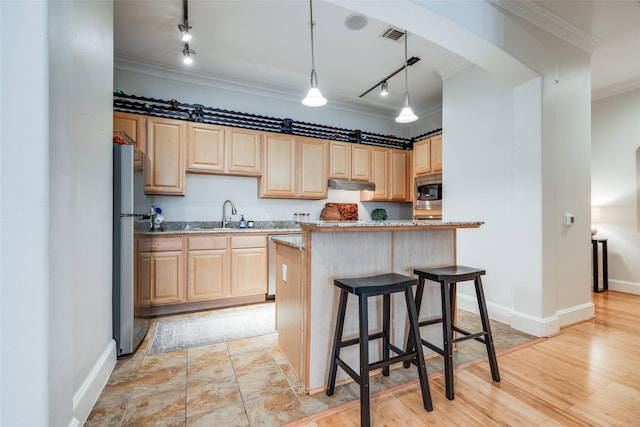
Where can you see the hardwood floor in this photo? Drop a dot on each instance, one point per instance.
(587, 375)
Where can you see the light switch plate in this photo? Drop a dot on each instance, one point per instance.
(284, 272)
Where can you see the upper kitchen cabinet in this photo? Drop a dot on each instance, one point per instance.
(134, 125)
(243, 151)
(223, 150)
(278, 178)
(427, 156)
(390, 173)
(166, 151)
(313, 172)
(294, 167)
(350, 161)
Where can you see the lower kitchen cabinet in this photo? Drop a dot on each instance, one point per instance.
(248, 265)
(186, 272)
(160, 271)
(208, 268)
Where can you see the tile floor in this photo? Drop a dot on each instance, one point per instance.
(238, 383)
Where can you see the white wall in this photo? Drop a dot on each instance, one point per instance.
(615, 182)
(24, 207)
(57, 346)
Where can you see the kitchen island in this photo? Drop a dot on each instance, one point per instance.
(330, 250)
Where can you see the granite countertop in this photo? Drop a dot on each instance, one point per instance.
(362, 225)
(207, 227)
(293, 240)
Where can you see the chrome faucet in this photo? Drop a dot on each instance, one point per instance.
(224, 208)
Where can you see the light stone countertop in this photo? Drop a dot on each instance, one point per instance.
(293, 240)
(371, 225)
(208, 227)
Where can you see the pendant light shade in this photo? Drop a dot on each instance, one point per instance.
(314, 98)
(406, 115)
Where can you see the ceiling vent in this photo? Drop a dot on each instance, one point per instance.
(392, 33)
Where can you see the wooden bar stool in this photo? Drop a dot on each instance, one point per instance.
(448, 277)
(363, 288)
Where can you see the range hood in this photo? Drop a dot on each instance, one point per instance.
(340, 184)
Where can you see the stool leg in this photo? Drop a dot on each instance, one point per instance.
(386, 315)
(337, 340)
(410, 343)
(447, 337)
(364, 362)
(488, 339)
(420, 364)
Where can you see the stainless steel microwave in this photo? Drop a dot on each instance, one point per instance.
(428, 192)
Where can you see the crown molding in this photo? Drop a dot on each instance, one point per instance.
(153, 69)
(453, 68)
(615, 89)
(541, 17)
(433, 109)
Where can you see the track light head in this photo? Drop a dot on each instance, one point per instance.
(384, 89)
(187, 53)
(184, 30)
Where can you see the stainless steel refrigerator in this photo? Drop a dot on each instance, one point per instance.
(129, 322)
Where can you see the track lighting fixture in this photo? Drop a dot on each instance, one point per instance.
(384, 89)
(186, 52)
(186, 34)
(406, 115)
(314, 98)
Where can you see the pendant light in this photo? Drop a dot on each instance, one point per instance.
(406, 115)
(314, 98)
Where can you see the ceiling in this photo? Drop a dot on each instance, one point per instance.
(266, 44)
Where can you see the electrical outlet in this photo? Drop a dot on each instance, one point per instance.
(284, 272)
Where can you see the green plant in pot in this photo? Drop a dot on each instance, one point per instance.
(379, 215)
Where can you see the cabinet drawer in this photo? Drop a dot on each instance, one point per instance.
(207, 242)
(160, 244)
(248, 242)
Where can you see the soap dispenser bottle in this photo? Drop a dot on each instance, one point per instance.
(243, 223)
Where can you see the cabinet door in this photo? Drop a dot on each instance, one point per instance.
(360, 162)
(313, 161)
(339, 160)
(399, 176)
(279, 169)
(166, 146)
(380, 173)
(163, 273)
(436, 154)
(205, 148)
(208, 275)
(248, 271)
(422, 157)
(243, 152)
(134, 125)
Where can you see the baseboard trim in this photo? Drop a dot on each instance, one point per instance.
(539, 327)
(87, 395)
(626, 287)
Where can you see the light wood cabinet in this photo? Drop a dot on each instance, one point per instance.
(294, 167)
(166, 149)
(436, 154)
(160, 271)
(349, 161)
(134, 125)
(339, 160)
(400, 180)
(223, 150)
(208, 270)
(248, 265)
(290, 308)
(279, 166)
(360, 162)
(427, 156)
(422, 157)
(243, 152)
(205, 153)
(313, 168)
(389, 170)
